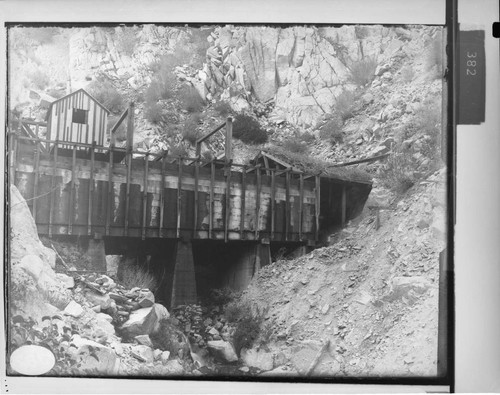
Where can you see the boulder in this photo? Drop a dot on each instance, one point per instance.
(23, 232)
(174, 367)
(96, 358)
(144, 321)
(74, 309)
(165, 355)
(257, 358)
(143, 353)
(144, 340)
(146, 298)
(222, 350)
(418, 284)
(67, 281)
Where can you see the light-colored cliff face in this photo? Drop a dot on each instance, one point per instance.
(301, 69)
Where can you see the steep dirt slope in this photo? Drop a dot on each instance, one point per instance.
(373, 293)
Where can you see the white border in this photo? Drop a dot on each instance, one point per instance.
(477, 232)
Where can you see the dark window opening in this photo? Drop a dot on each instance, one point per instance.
(80, 116)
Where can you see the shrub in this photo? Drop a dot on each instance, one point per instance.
(295, 145)
(39, 79)
(168, 337)
(132, 275)
(308, 137)
(363, 71)
(161, 87)
(332, 130)
(153, 112)
(191, 133)
(191, 99)
(107, 95)
(178, 150)
(345, 104)
(248, 130)
(248, 324)
(223, 108)
(397, 173)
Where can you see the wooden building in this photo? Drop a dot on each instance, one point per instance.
(77, 118)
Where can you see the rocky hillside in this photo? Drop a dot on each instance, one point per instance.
(372, 296)
(340, 92)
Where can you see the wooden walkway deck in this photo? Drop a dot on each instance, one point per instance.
(80, 189)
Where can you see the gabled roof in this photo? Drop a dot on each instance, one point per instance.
(310, 165)
(76, 92)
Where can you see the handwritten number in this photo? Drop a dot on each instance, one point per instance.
(473, 55)
(471, 72)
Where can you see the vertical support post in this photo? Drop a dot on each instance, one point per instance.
(196, 176)
(257, 200)
(273, 202)
(127, 191)
(317, 206)
(130, 127)
(344, 206)
(179, 197)
(211, 202)
(287, 203)
(145, 196)
(37, 178)
(229, 139)
(72, 192)
(301, 204)
(162, 196)
(91, 189)
(110, 188)
(242, 201)
(52, 188)
(227, 211)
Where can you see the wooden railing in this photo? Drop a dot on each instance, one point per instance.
(232, 173)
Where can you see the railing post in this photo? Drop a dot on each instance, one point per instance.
(130, 127)
(145, 195)
(229, 139)
(317, 205)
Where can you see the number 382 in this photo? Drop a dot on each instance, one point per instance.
(471, 63)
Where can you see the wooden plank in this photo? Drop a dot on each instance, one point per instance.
(51, 195)
(243, 201)
(162, 196)
(227, 211)
(91, 190)
(273, 203)
(127, 192)
(287, 203)
(196, 208)
(37, 178)
(301, 203)
(94, 116)
(317, 206)
(119, 122)
(266, 164)
(110, 191)
(211, 202)
(72, 192)
(343, 206)
(145, 195)
(130, 126)
(257, 201)
(179, 197)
